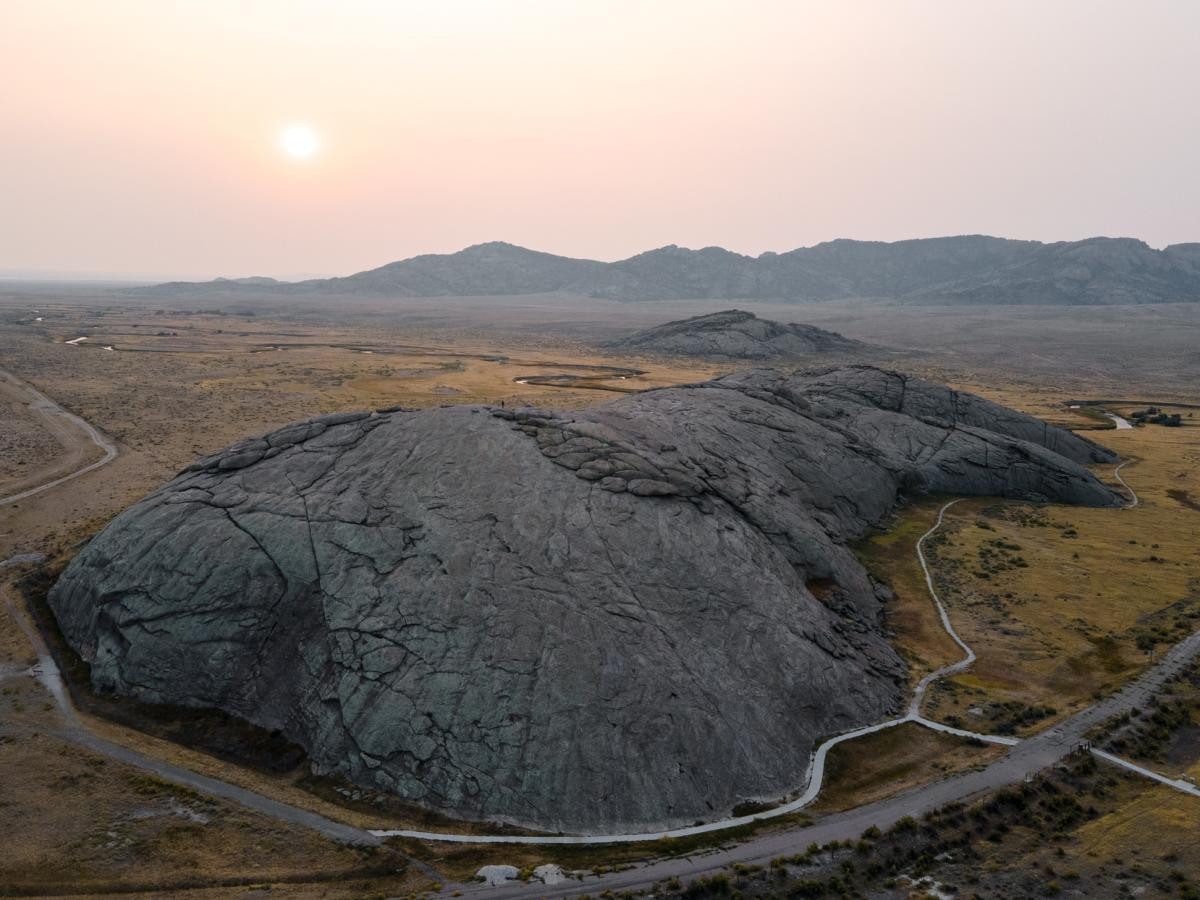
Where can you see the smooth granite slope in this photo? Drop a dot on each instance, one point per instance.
(629, 616)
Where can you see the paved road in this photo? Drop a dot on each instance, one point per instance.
(815, 774)
(74, 731)
(1025, 758)
(47, 407)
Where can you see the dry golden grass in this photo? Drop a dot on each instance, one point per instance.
(35, 447)
(79, 820)
(857, 772)
(71, 819)
(896, 759)
(1099, 591)
(461, 861)
(1093, 831)
(1143, 828)
(285, 787)
(891, 556)
(1077, 609)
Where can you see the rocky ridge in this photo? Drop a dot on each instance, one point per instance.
(630, 616)
(737, 334)
(962, 269)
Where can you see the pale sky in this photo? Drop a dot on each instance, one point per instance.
(144, 136)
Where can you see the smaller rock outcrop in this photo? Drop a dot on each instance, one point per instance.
(737, 334)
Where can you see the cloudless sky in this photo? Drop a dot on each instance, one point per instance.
(142, 136)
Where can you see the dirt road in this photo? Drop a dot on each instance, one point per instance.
(76, 435)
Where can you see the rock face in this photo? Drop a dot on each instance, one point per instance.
(630, 616)
(736, 334)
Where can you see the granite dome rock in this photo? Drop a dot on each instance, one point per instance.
(737, 334)
(629, 616)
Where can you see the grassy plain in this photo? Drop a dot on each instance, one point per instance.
(1064, 603)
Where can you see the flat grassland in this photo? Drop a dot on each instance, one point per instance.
(1060, 603)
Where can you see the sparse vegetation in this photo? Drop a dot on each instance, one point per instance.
(1036, 839)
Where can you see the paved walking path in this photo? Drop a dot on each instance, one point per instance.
(1133, 497)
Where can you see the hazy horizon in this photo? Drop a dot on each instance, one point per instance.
(18, 275)
(150, 141)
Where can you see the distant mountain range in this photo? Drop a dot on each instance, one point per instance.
(972, 269)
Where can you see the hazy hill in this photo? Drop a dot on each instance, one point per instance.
(964, 269)
(736, 334)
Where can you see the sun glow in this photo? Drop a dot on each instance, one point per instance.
(299, 141)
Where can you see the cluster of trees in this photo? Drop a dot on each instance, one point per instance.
(1155, 416)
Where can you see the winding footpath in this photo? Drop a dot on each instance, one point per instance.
(47, 407)
(75, 731)
(813, 778)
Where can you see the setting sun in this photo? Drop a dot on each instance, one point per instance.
(299, 141)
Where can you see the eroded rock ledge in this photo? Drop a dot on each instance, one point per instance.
(631, 616)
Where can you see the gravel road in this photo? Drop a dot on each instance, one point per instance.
(42, 404)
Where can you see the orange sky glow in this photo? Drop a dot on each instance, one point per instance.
(146, 137)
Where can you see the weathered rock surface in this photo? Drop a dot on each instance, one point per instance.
(594, 620)
(737, 334)
(497, 875)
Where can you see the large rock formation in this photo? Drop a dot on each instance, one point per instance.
(630, 616)
(737, 334)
